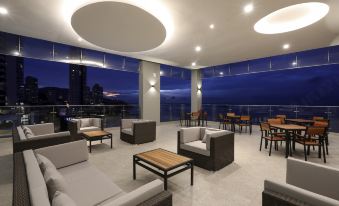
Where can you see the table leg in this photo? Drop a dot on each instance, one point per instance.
(165, 180)
(90, 146)
(134, 169)
(192, 173)
(287, 144)
(101, 140)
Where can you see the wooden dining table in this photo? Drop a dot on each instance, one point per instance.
(288, 129)
(300, 121)
(233, 118)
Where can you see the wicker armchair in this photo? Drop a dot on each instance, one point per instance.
(135, 131)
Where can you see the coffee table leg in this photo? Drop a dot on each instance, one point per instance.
(192, 173)
(134, 172)
(165, 180)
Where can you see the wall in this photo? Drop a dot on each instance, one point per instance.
(149, 97)
(196, 95)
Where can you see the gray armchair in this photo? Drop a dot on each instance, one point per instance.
(211, 149)
(36, 136)
(307, 184)
(136, 131)
(78, 126)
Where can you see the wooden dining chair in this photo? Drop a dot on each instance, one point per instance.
(274, 121)
(281, 117)
(324, 124)
(195, 117)
(314, 136)
(271, 137)
(230, 114)
(316, 118)
(245, 121)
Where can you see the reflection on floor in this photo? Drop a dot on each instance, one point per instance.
(240, 183)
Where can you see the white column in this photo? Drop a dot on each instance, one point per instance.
(149, 91)
(196, 94)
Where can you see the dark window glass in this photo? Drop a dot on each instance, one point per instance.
(286, 61)
(239, 68)
(9, 44)
(207, 72)
(68, 54)
(35, 48)
(259, 65)
(92, 58)
(131, 65)
(313, 57)
(222, 70)
(114, 61)
(334, 54)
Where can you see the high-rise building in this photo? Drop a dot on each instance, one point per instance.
(77, 84)
(97, 94)
(11, 80)
(31, 90)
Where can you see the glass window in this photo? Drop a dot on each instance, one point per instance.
(68, 54)
(286, 61)
(35, 48)
(114, 61)
(222, 70)
(9, 44)
(207, 72)
(313, 57)
(334, 54)
(259, 65)
(92, 58)
(165, 70)
(131, 65)
(239, 68)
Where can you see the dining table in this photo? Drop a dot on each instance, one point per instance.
(303, 122)
(289, 130)
(233, 119)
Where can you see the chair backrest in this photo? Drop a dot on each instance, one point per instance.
(230, 114)
(245, 118)
(320, 124)
(274, 121)
(318, 118)
(315, 131)
(281, 116)
(264, 127)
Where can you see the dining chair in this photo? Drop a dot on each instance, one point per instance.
(282, 117)
(271, 137)
(195, 117)
(245, 121)
(274, 121)
(316, 118)
(314, 136)
(324, 124)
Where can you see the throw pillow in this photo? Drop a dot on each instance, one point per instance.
(85, 122)
(55, 182)
(28, 132)
(62, 199)
(207, 132)
(44, 163)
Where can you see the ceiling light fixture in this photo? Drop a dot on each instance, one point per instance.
(194, 64)
(198, 48)
(3, 11)
(248, 8)
(80, 39)
(212, 26)
(286, 46)
(292, 18)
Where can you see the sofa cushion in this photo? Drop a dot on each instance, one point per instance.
(55, 182)
(85, 122)
(62, 199)
(36, 184)
(88, 129)
(83, 178)
(28, 132)
(189, 134)
(41, 129)
(128, 131)
(196, 147)
(44, 163)
(207, 133)
(127, 123)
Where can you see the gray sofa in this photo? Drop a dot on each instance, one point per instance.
(76, 178)
(78, 126)
(36, 136)
(137, 131)
(307, 184)
(212, 152)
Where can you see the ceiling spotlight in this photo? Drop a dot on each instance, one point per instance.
(80, 39)
(198, 48)
(286, 46)
(212, 26)
(194, 64)
(248, 8)
(3, 11)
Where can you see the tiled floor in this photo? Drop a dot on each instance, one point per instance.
(240, 183)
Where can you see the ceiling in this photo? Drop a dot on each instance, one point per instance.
(187, 25)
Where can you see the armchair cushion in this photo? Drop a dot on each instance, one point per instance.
(127, 123)
(128, 131)
(62, 199)
(190, 134)
(85, 122)
(41, 129)
(55, 182)
(196, 147)
(44, 163)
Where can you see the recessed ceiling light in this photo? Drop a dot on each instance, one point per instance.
(286, 46)
(3, 11)
(194, 64)
(292, 18)
(248, 8)
(79, 39)
(198, 48)
(212, 26)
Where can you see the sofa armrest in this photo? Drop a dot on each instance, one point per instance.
(144, 129)
(41, 129)
(63, 155)
(189, 134)
(139, 195)
(127, 123)
(302, 174)
(97, 123)
(39, 142)
(296, 195)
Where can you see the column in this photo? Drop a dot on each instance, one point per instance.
(196, 94)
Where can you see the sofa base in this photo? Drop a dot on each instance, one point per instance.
(132, 140)
(271, 200)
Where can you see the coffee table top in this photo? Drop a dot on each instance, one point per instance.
(97, 133)
(163, 159)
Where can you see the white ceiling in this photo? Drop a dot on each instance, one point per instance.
(187, 24)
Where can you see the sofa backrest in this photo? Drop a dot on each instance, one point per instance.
(127, 123)
(21, 133)
(190, 134)
(316, 178)
(63, 155)
(41, 129)
(36, 183)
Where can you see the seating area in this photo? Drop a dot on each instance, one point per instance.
(169, 103)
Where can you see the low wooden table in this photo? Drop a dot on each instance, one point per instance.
(163, 160)
(96, 136)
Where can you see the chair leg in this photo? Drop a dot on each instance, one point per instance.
(305, 152)
(260, 144)
(324, 154)
(319, 151)
(326, 144)
(308, 150)
(250, 129)
(269, 154)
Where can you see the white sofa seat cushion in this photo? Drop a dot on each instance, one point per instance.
(128, 131)
(62, 199)
(196, 147)
(37, 187)
(55, 182)
(87, 185)
(88, 129)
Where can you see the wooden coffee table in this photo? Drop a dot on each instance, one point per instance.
(165, 161)
(96, 136)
